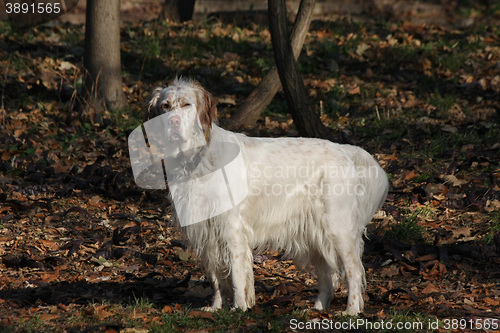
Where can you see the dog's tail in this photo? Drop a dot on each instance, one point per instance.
(374, 184)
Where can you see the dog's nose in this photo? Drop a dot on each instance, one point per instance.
(175, 121)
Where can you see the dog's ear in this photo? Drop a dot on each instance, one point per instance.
(152, 110)
(207, 110)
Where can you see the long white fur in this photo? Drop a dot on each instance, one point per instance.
(308, 220)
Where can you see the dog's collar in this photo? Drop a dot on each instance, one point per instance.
(177, 163)
(177, 167)
(191, 165)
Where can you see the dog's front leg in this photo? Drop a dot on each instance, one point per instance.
(241, 264)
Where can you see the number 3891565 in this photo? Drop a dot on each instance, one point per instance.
(33, 8)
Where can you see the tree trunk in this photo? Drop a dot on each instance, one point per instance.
(306, 120)
(259, 99)
(103, 77)
(177, 10)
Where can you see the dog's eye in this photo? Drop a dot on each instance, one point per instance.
(165, 105)
(186, 104)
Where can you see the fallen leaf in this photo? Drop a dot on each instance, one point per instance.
(47, 316)
(440, 197)
(461, 232)
(390, 271)
(250, 322)
(449, 128)
(323, 33)
(492, 205)
(101, 261)
(410, 175)
(355, 91)
(134, 330)
(430, 288)
(183, 255)
(427, 257)
(425, 64)
(102, 313)
(491, 301)
(362, 48)
(167, 309)
(453, 180)
(66, 65)
(201, 314)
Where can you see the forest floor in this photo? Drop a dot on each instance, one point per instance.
(83, 249)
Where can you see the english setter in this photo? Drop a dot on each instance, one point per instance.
(309, 198)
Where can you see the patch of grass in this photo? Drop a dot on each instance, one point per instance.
(264, 63)
(422, 177)
(277, 106)
(493, 227)
(142, 303)
(443, 102)
(396, 321)
(324, 53)
(226, 320)
(408, 229)
(151, 46)
(174, 321)
(71, 35)
(405, 53)
(453, 61)
(19, 62)
(33, 325)
(408, 321)
(439, 143)
(126, 118)
(388, 128)
(400, 56)
(127, 315)
(5, 28)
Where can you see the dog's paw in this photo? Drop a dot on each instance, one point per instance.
(350, 313)
(321, 304)
(234, 309)
(240, 307)
(209, 309)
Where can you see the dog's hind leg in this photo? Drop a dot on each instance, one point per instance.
(327, 282)
(350, 249)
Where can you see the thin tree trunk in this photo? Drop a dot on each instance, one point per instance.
(259, 99)
(103, 79)
(306, 120)
(177, 10)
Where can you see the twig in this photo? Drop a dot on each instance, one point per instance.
(285, 277)
(2, 107)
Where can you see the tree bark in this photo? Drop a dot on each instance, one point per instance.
(306, 120)
(102, 62)
(177, 10)
(259, 99)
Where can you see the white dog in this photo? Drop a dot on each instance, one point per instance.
(309, 198)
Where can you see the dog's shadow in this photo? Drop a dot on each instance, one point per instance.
(155, 288)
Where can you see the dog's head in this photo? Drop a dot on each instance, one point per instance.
(189, 112)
